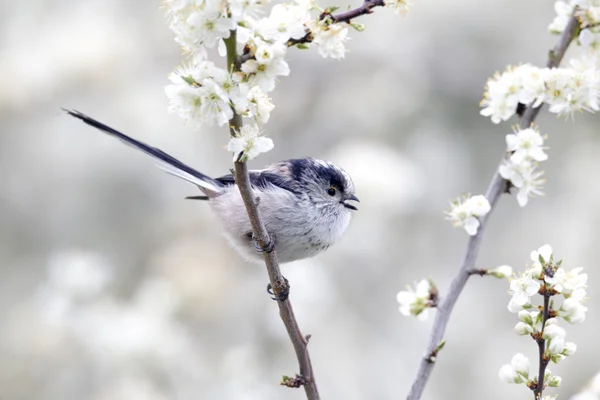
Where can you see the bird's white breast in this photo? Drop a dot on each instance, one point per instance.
(302, 229)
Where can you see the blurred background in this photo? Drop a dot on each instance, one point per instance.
(114, 287)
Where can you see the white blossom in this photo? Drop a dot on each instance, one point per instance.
(269, 64)
(572, 310)
(569, 349)
(501, 97)
(544, 252)
(195, 95)
(285, 22)
(552, 330)
(521, 289)
(242, 9)
(416, 301)
(524, 177)
(400, 6)
(508, 375)
(526, 144)
(329, 38)
(464, 213)
(564, 10)
(249, 143)
(517, 371)
(259, 105)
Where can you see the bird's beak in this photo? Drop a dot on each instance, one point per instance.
(350, 206)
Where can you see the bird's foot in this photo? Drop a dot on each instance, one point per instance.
(280, 291)
(268, 248)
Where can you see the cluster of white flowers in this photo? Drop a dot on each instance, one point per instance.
(417, 301)
(588, 13)
(548, 278)
(565, 90)
(204, 93)
(526, 148)
(518, 372)
(465, 211)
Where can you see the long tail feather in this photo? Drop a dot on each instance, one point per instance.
(166, 162)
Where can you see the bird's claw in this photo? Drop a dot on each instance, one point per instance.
(268, 248)
(281, 291)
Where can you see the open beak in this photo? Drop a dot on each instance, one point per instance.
(350, 206)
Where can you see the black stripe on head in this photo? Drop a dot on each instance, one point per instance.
(309, 168)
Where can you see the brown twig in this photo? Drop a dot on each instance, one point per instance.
(366, 8)
(480, 272)
(496, 188)
(279, 284)
(542, 349)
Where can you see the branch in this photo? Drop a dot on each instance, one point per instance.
(279, 284)
(365, 8)
(542, 348)
(497, 186)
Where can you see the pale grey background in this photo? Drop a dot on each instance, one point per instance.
(182, 317)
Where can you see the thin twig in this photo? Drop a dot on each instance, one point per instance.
(542, 348)
(279, 284)
(496, 188)
(366, 8)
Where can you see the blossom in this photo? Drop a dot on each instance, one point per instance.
(195, 95)
(285, 22)
(564, 10)
(401, 6)
(248, 143)
(268, 65)
(569, 349)
(515, 372)
(242, 9)
(544, 253)
(501, 97)
(503, 271)
(329, 37)
(464, 213)
(526, 144)
(521, 289)
(416, 301)
(552, 330)
(259, 105)
(572, 310)
(524, 177)
(590, 40)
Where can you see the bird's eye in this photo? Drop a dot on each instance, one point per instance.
(331, 191)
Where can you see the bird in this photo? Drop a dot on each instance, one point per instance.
(305, 203)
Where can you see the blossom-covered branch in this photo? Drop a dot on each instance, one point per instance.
(545, 277)
(497, 186)
(278, 284)
(329, 18)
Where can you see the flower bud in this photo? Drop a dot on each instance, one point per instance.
(501, 272)
(553, 331)
(520, 364)
(554, 381)
(569, 349)
(523, 329)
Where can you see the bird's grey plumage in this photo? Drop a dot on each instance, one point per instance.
(303, 202)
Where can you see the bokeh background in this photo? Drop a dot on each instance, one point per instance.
(112, 286)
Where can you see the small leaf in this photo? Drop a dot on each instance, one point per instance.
(302, 46)
(358, 27)
(189, 80)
